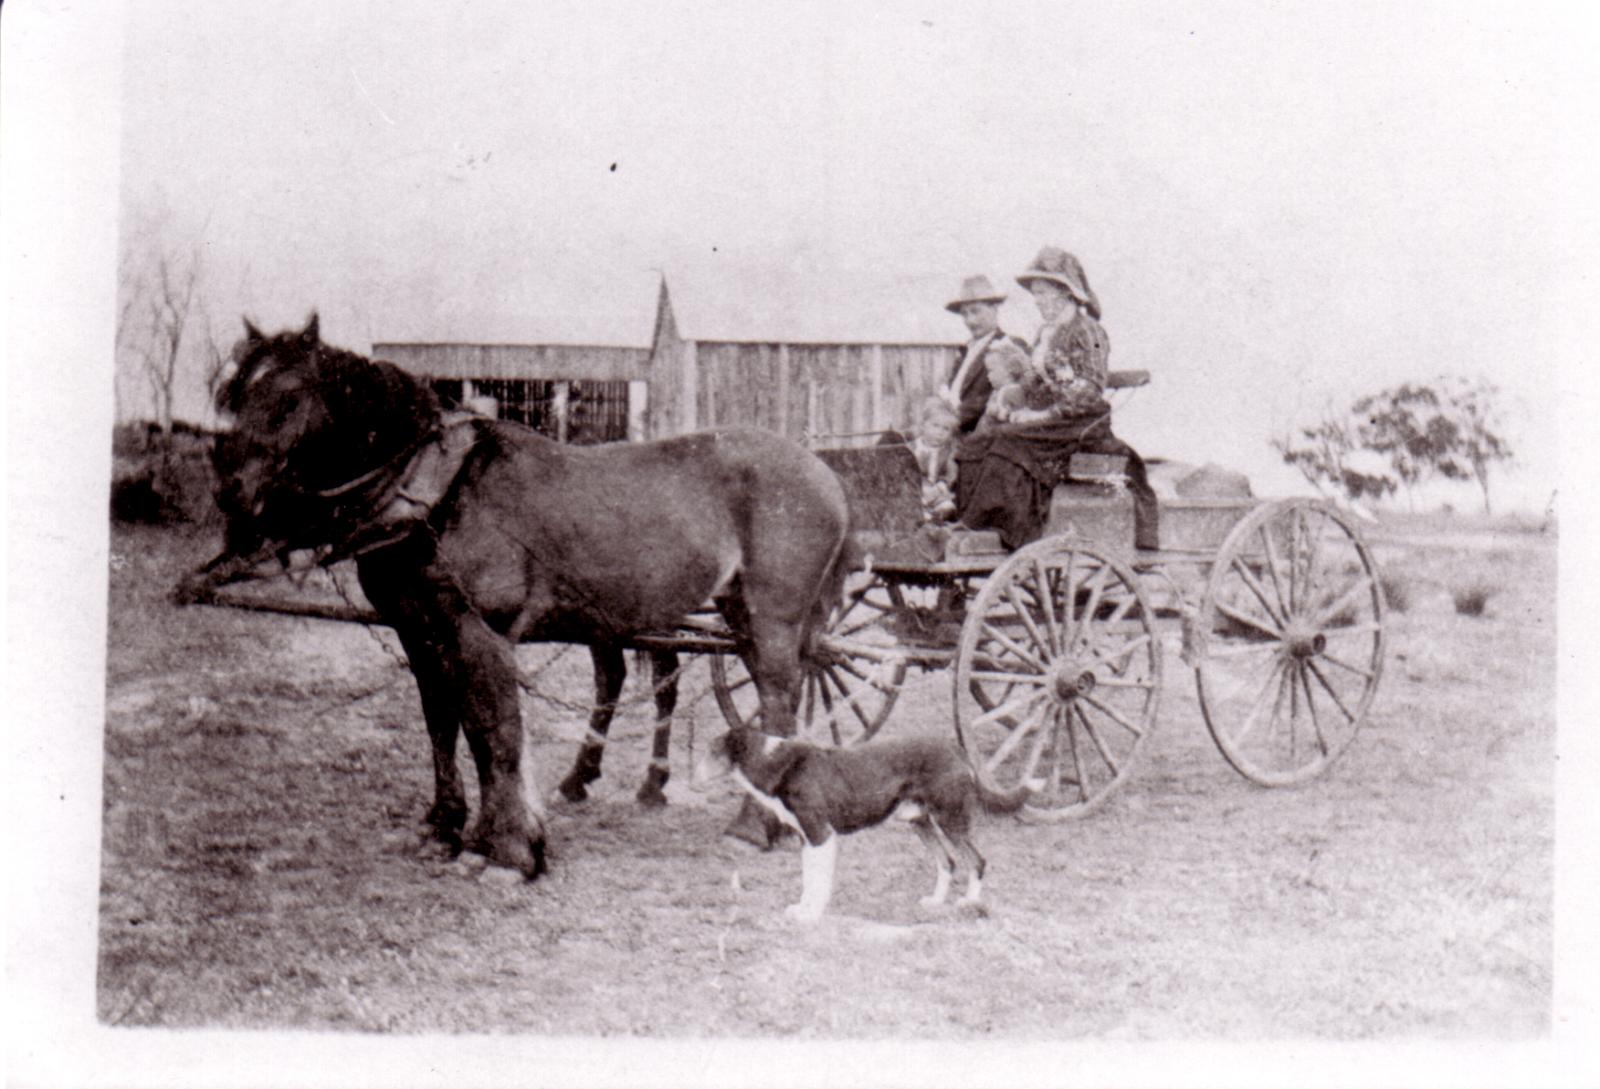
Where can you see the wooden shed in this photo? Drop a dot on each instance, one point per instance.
(704, 366)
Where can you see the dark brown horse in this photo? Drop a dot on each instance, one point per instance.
(471, 535)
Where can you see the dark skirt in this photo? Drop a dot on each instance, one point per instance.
(1006, 476)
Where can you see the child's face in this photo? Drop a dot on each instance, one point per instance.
(937, 429)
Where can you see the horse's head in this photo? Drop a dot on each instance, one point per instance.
(308, 420)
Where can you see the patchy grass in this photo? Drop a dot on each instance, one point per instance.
(1396, 591)
(262, 865)
(1473, 599)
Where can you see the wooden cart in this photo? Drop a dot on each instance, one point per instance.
(1056, 652)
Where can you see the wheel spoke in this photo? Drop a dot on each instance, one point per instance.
(1292, 674)
(1047, 598)
(1260, 702)
(1090, 607)
(1077, 760)
(1337, 702)
(1258, 590)
(1272, 567)
(1054, 785)
(853, 699)
(1111, 713)
(1031, 764)
(1035, 679)
(1069, 618)
(1111, 658)
(1010, 707)
(1337, 605)
(1100, 746)
(1246, 619)
(866, 678)
(1311, 706)
(1044, 645)
(1238, 649)
(1005, 641)
(1353, 629)
(1342, 664)
(1014, 738)
(811, 697)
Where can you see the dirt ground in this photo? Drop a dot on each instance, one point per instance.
(262, 865)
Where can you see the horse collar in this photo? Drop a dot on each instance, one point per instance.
(420, 486)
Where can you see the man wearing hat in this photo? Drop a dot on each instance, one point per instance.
(1005, 476)
(967, 387)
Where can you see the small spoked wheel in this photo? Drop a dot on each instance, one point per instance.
(852, 673)
(1294, 643)
(1058, 677)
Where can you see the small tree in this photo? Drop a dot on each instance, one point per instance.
(1448, 428)
(1403, 426)
(1322, 454)
(1473, 405)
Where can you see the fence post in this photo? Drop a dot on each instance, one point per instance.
(558, 405)
(638, 406)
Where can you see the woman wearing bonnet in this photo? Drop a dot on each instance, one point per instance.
(1008, 472)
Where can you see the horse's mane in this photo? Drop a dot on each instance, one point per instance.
(371, 411)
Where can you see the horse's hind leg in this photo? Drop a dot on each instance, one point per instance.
(609, 672)
(663, 664)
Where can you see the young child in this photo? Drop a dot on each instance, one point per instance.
(1006, 365)
(934, 450)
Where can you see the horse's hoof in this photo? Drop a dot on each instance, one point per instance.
(570, 790)
(501, 875)
(651, 797)
(521, 851)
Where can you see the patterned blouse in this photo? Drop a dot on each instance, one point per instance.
(1068, 375)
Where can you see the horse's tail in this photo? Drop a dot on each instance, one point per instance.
(848, 557)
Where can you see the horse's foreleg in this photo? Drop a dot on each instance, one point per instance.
(663, 664)
(775, 666)
(609, 672)
(448, 815)
(510, 825)
(774, 662)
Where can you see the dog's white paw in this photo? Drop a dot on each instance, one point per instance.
(932, 902)
(804, 914)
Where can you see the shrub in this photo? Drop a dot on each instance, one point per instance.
(1471, 600)
(1396, 592)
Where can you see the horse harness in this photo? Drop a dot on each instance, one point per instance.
(407, 499)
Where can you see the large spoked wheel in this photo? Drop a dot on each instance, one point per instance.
(852, 675)
(1058, 677)
(1293, 623)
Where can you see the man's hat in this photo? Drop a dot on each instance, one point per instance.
(1060, 267)
(974, 289)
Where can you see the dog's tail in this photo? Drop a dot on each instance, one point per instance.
(1006, 802)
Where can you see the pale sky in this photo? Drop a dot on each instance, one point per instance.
(1279, 205)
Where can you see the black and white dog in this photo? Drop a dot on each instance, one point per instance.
(823, 793)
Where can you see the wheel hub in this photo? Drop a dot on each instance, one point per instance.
(1070, 679)
(1303, 640)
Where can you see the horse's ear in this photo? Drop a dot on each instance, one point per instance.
(311, 333)
(251, 332)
